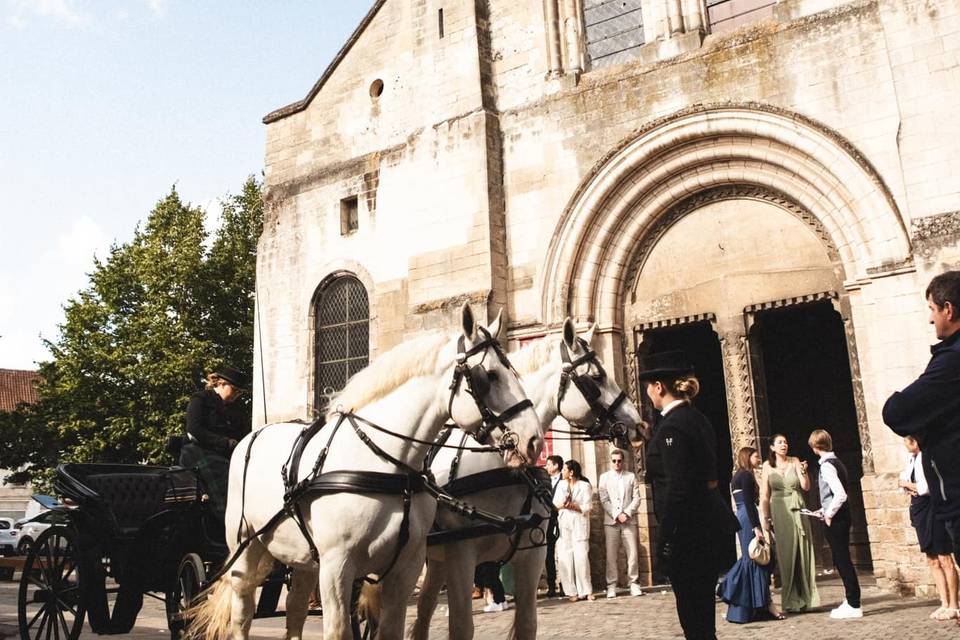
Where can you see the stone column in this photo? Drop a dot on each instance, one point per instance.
(655, 26)
(572, 36)
(693, 15)
(675, 16)
(737, 378)
(552, 12)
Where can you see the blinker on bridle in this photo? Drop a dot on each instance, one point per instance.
(477, 382)
(603, 416)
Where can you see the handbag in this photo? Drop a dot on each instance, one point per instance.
(759, 551)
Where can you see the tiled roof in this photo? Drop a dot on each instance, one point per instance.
(17, 386)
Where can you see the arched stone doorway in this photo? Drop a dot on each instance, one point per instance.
(745, 282)
(716, 217)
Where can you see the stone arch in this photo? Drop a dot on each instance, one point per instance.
(805, 165)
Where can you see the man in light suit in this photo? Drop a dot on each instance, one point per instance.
(620, 498)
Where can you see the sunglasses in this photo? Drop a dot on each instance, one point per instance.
(616, 461)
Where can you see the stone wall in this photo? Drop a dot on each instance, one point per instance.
(497, 165)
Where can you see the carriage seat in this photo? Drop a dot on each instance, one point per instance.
(131, 497)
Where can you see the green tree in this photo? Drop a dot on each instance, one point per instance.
(158, 312)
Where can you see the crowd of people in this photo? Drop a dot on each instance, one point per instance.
(774, 527)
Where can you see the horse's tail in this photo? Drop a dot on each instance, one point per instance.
(210, 619)
(369, 604)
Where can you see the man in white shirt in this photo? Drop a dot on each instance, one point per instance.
(620, 498)
(553, 466)
(835, 513)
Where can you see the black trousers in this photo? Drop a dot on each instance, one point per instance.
(487, 575)
(694, 590)
(838, 535)
(551, 557)
(953, 528)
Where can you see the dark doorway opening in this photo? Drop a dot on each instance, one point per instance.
(701, 344)
(802, 375)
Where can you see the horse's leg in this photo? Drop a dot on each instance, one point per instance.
(460, 564)
(302, 584)
(398, 584)
(527, 567)
(337, 574)
(427, 601)
(245, 576)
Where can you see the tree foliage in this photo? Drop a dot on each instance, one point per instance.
(158, 312)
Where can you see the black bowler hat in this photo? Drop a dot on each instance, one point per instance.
(666, 365)
(235, 377)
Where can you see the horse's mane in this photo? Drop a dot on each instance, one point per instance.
(533, 355)
(408, 360)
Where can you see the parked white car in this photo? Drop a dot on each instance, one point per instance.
(9, 537)
(31, 528)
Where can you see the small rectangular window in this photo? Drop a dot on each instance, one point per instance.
(349, 215)
(440, 23)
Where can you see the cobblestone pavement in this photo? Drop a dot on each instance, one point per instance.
(652, 617)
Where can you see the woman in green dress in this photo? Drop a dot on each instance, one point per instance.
(782, 479)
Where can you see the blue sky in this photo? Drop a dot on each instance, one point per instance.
(104, 104)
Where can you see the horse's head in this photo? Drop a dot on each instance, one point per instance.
(486, 398)
(590, 399)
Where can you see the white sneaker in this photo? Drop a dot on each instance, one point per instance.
(635, 590)
(845, 612)
(611, 592)
(493, 607)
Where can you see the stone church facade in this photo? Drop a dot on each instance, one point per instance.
(768, 185)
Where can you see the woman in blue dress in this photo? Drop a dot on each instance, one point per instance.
(746, 587)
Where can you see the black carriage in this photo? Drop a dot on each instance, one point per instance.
(126, 532)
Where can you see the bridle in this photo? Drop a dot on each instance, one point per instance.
(603, 416)
(477, 383)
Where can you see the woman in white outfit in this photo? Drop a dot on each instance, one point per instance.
(573, 499)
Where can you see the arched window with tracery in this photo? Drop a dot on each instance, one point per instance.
(342, 336)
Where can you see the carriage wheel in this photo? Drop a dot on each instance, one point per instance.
(49, 604)
(190, 575)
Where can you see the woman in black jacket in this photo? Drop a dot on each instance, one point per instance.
(682, 471)
(215, 423)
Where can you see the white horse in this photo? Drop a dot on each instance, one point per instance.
(541, 366)
(408, 391)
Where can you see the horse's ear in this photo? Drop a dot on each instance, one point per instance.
(569, 334)
(588, 334)
(497, 324)
(469, 324)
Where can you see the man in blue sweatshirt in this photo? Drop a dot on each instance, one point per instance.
(929, 409)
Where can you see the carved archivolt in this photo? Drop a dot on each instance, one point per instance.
(629, 199)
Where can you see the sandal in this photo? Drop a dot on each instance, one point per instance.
(572, 599)
(776, 616)
(939, 612)
(945, 614)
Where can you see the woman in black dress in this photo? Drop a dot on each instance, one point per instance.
(682, 471)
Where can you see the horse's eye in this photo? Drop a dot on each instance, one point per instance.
(492, 376)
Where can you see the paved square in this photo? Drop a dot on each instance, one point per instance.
(652, 617)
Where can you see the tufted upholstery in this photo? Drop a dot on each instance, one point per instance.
(132, 497)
